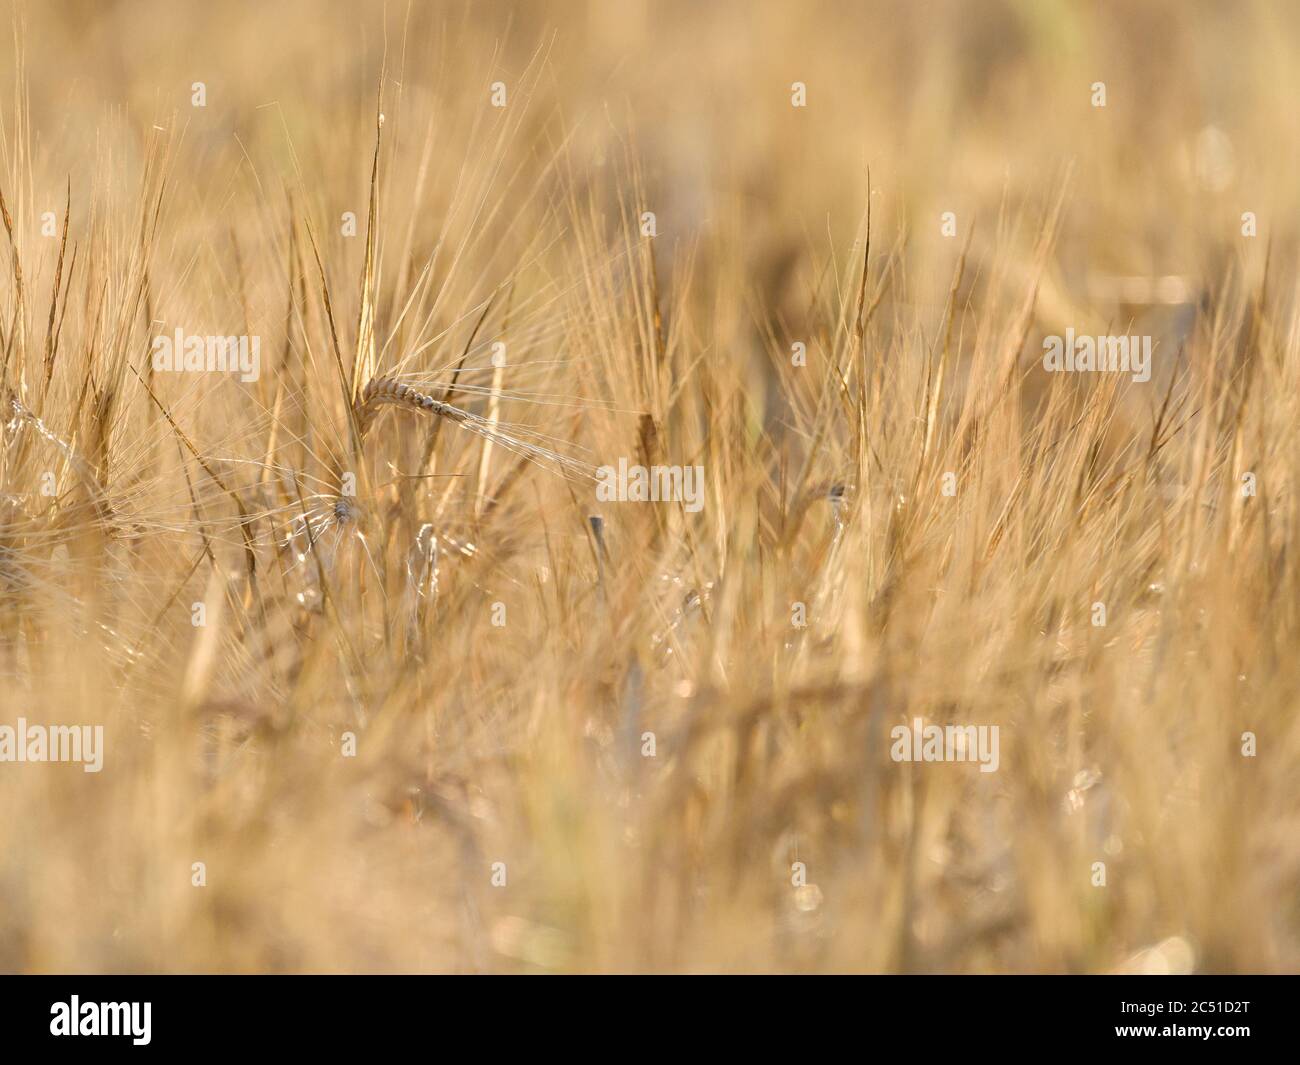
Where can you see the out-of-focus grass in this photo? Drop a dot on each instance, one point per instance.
(522, 743)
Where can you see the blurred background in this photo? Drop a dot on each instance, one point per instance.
(976, 108)
(479, 746)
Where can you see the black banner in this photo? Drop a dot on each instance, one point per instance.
(1226, 1015)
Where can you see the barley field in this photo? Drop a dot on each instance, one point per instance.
(593, 487)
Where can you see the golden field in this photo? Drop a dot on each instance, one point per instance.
(376, 692)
